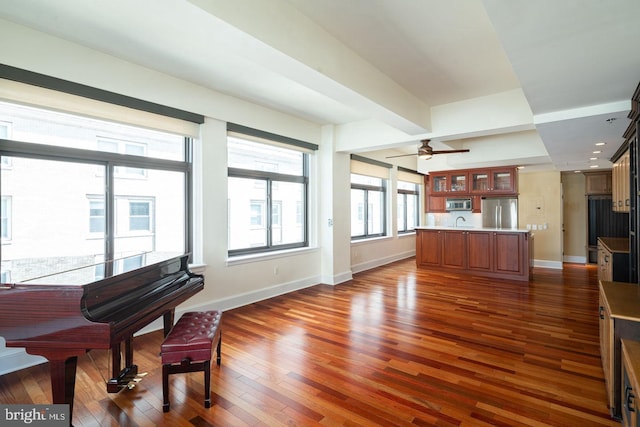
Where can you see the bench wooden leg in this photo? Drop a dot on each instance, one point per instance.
(165, 388)
(207, 384)
(219, 356)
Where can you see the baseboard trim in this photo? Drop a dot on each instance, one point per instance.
(547, 264)
(364, 266)
(574, 259)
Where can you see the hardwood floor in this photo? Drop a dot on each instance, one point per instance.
(394, 346)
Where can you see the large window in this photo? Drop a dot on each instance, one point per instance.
(367, 206)
(80, 191)
(408, 193)
(369, 180)
(268, 192)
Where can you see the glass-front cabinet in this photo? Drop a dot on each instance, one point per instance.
(458, 182)
(493, 181)
(449, 182)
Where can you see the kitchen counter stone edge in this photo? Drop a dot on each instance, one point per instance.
(438, 227)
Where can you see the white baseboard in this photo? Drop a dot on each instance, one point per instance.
(547, 264)
(575, 259)
(358, 268)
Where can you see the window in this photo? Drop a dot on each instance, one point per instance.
(408, 213)
(5, 218)
(268, 190)
(96, 216)
(367, 206)
(4, 134)
(77, 200)
(368, 197)
(124, 147)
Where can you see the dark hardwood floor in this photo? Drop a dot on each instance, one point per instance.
(394, 346)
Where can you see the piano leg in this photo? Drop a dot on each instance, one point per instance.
(168, 319)
(62, 368)
(63, 381)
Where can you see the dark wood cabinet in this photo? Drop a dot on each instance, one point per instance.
(430, 244)
(493, 181)
(473, 183)
(502, 254)
(449, 182)
(509, 256)
(436, 204)
(480, 251)
(454, 253)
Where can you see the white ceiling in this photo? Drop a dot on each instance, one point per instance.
(516, 81)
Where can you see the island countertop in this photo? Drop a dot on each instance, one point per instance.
(463, 228)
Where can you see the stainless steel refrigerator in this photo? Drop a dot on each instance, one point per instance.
(500, 212)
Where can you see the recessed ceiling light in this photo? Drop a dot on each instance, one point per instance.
(600, 143)
(593, 158)
(597, 152)
(577, 171)
(593, 166)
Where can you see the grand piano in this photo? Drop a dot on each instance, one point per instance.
(62, 316)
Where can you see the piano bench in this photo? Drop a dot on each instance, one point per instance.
(188, 348)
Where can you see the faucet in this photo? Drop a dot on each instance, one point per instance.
(462, 218)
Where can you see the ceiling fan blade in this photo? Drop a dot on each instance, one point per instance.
(401, 155)
(466, 150)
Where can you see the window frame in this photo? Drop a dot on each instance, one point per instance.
(110, 162)
(269, 179)
(367, 189)
(403, 193)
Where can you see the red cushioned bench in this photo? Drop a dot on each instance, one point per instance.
(188, 348)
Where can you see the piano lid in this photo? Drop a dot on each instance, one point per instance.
(95, 272)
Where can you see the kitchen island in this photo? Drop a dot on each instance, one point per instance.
(488, 252)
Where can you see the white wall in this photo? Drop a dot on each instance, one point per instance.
(227, 283)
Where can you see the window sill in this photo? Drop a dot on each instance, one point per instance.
(372, 239)
(264, 256)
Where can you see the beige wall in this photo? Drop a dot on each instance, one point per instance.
(540, 205)
(575, 217)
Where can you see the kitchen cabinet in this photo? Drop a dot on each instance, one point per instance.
(430, 244)
(630, 385)
(480, 251)
(454, 249)
(613, 259)
(436, 204)
(473, 183)
(619, 319)
(490, 253)
(449, 182)
(598, 182)
(621, 195)
(509, 256)
(493, 181)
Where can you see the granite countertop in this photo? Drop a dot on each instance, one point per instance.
(622, 299)
(463, 228)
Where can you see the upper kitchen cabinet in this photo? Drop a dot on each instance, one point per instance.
(621, 192)
(598, 182)
(449, 182)
(494, 181)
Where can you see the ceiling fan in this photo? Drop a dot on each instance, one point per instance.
(426, 152)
